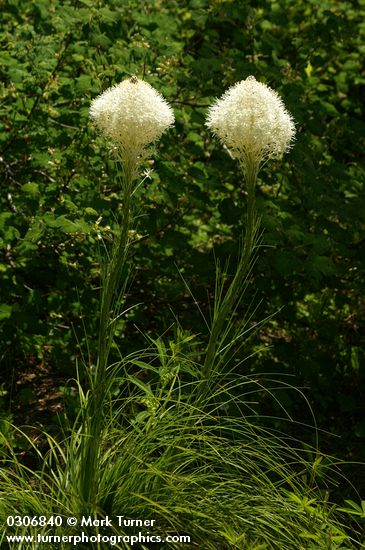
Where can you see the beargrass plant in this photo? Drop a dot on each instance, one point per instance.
(166, 449)
(251, 121)
(132, 115)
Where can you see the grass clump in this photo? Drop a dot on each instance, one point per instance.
(218, 477)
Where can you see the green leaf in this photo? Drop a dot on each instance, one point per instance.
(5, 311)
(35, 232)
(84, 83)
(31, 189)
(66, 225)
(141, 385)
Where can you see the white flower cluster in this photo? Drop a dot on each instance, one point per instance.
(132, 115)
(251, 120)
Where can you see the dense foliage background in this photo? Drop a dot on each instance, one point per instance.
(59, 189)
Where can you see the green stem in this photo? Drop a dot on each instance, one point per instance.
(112, 280)
(113, 286)
(232, 297)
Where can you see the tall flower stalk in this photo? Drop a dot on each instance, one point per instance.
(131, 115)
(251, 121)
